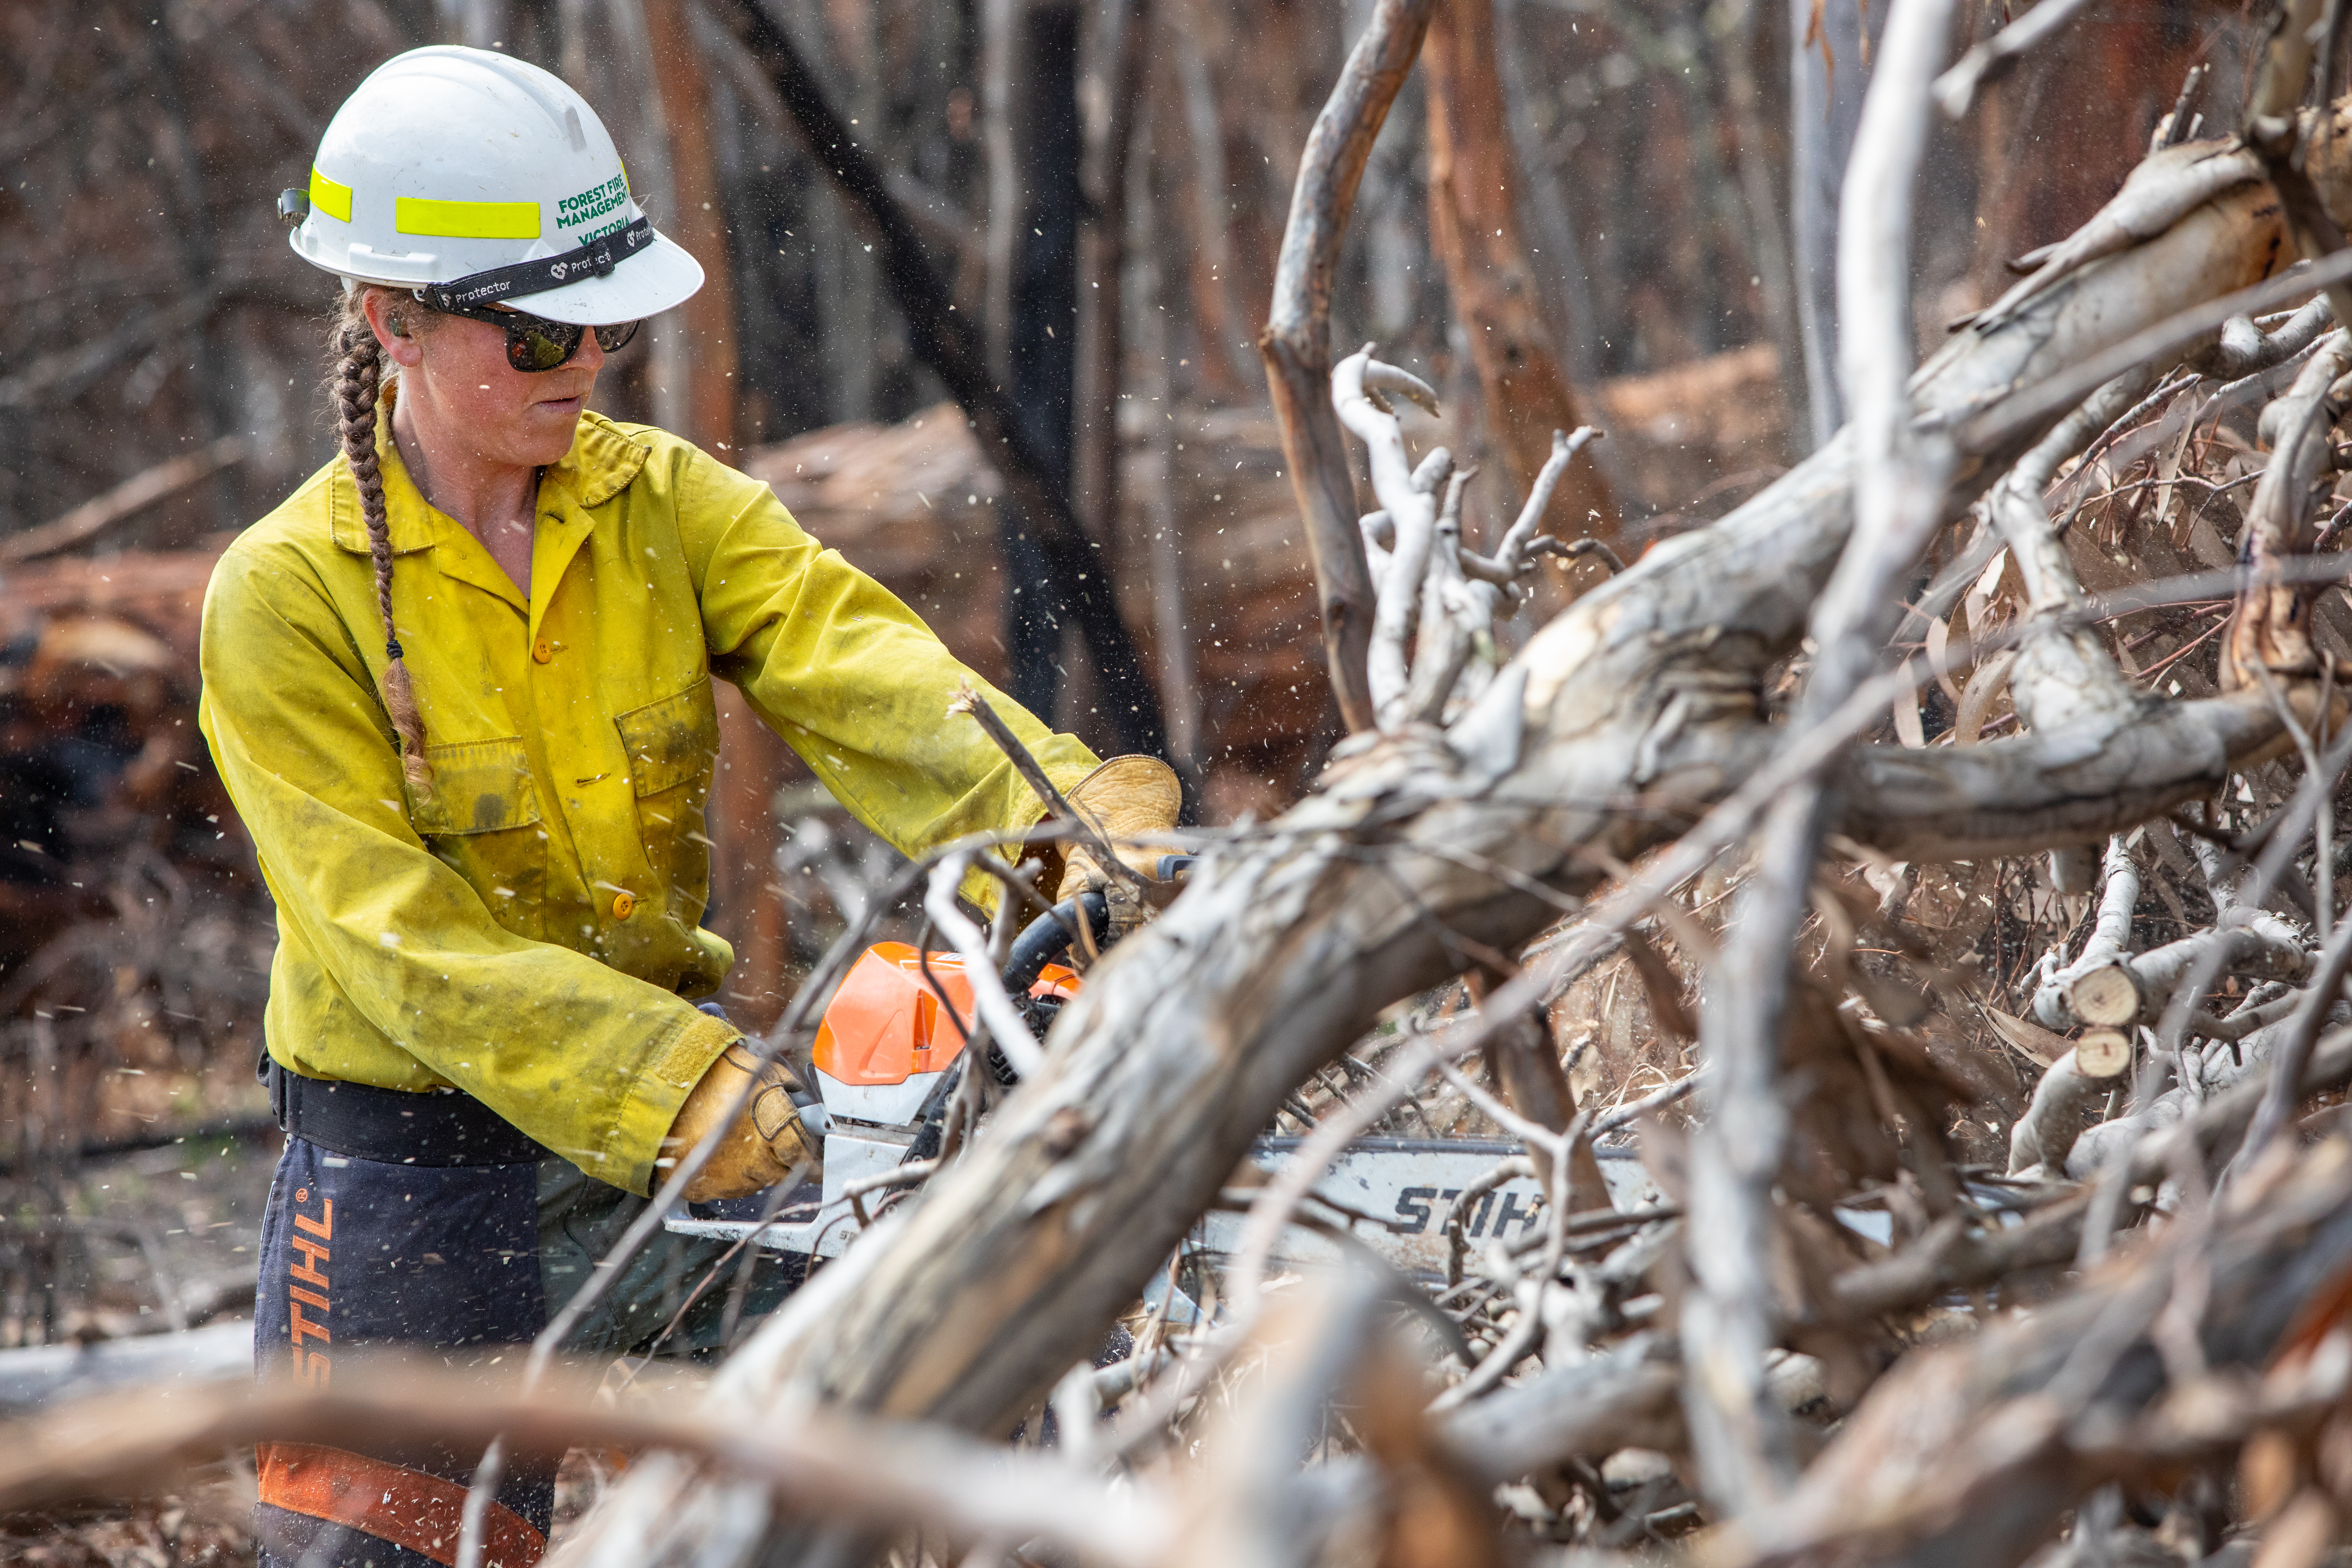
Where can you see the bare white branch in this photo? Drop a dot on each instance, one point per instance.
(1001, 1020)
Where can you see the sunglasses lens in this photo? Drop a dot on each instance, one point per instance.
(542, 345)
(614, 339)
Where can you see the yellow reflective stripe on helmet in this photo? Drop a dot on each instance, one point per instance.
(467, 220)
(331, 197)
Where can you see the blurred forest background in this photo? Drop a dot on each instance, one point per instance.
(1100, 187)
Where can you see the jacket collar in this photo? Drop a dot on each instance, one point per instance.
(602, 463)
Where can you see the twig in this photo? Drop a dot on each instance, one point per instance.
(1510, 558)
(1632, 1110)
(1553, 1144)
(2285, 835)
(1515, 1167)
(1521, 1338)
(968, 700)
(777, 1197)
(1609, 558)
(996, 1010)
(1956, 89)
(2322, 848)
(2004, 421)
(2283, 1084)
(905, 1176)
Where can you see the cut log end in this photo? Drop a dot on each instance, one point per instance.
(2109, 997)
(2103, 1053)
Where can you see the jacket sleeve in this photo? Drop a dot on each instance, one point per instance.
(851, 678)
(591, 1062)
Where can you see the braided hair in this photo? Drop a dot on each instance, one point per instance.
(358, 376)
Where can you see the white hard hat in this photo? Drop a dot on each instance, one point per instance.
(477, 179)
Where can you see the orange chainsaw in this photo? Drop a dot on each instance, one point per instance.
(887, 1043)
(890, 1052)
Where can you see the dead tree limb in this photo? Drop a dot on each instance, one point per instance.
(2272, 630)
(2110, 938)
(1998, 55)
(1296, 342)
(843, 1470)
(1740, 1434)
(1960, 1254)
(1626, 718)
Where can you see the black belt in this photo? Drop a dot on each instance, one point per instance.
(397, 1127)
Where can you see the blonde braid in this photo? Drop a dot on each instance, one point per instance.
(359, 373)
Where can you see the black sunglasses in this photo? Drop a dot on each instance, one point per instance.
(533, 344)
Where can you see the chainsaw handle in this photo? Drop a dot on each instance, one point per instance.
(1049, 936)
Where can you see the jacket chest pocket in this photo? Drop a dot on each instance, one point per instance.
(482, 821)
(673, 749)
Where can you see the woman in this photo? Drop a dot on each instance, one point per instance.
(459, 687)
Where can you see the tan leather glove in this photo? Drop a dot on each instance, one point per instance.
(1126, 797)
(762, 1144)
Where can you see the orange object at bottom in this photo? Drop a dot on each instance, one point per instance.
(407, 1508)
(884, 1027)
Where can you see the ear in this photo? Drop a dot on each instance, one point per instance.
(399, 346)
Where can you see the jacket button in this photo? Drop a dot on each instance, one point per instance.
(542, 650)
(624, 905)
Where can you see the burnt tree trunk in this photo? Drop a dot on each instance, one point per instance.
(1041, 341)
(747, 905)
(1474, 212)
(1054, 582)
(1115, 59)
(700, 226)
(1064, 561)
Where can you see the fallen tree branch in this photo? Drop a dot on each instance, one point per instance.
(1960, 1254)
(1971, 1454)
(1999, 425)
(879, 1474)
(2110, 938)
(131, 496)
(1621, 721)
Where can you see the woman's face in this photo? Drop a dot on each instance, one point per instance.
(456, 384)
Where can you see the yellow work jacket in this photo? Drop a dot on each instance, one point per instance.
(528, 932)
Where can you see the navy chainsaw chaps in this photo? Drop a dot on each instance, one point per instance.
(358, 1254)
